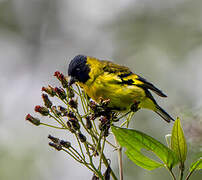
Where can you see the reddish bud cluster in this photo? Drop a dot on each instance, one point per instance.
(70, 92)
(73, 103)
(57, 74)
(58, 144)
(58, 147)
(93, 105)
(88, 122)
(53, 139)
(42, 110)
(63, 111)
(49, 90)
(71, 114)
(46, 101)
(55, 111)
(69, 125)
(60, 92)
(82, 137)
(74, 123)
(65, 144)
(61, 78)
(104, 125)
(33, 120)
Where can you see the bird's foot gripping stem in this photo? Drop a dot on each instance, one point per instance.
(134, 107)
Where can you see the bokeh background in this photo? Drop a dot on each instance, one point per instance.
(159, 40)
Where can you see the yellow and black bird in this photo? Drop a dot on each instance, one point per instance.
(107, 80)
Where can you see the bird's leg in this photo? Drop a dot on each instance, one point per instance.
(134, 107)
(124, 114)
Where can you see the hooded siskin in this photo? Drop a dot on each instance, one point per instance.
(107, 80)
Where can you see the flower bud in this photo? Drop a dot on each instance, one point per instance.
(55, 111)
(62, 110)
(75, 124)
(71, 114)
(53, 139)
(82, 137)
(92, 117)
(73, 119)
(33, 120)
(70, 127)
(88, 122)
(61, 93)
(73, 103)
(104, 125)
(57, 74)
(70, 92)
(56, 146)
(42, 110)
(46, 101)
(49, 90)
(103, 120)
(93, 105)
(65, 144)
(61, 78)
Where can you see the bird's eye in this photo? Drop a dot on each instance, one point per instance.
(77, 69)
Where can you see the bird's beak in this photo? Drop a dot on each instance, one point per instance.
(72, 80)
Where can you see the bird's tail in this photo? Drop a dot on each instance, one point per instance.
(161, 112)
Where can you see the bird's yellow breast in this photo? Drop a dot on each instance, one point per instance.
(121, 96)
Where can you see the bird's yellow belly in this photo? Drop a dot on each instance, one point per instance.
(121, 96)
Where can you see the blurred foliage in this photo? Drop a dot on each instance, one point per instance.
(174, 28)
(8, 19)
(18, 166)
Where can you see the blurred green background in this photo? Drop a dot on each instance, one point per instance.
(159, 40)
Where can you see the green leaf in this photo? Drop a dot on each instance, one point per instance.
(196, 165)
(134, 141)
(178, 142)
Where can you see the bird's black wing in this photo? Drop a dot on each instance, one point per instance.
(127, 77)
(150, 86)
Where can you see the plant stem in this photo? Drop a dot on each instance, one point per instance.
(91, 162)
(188, 176)
(120, 163)
(124, 115)
(73, 150)
(171, 172)
(78, 160)
(52, 126)
(129, 118)
(111, 144)
(119, 149)
(82, 162)
(61, 123)
(82, 99)
(80, 146)
(102, 150)
(94, 127)
(105, 161)
(181, 171)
